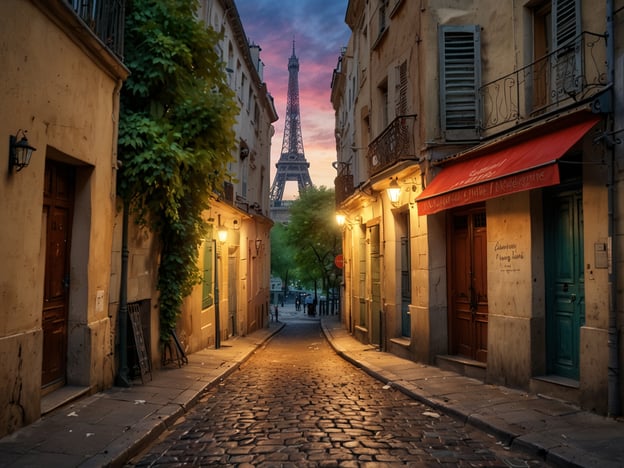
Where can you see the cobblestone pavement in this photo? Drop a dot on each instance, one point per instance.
(296, 403)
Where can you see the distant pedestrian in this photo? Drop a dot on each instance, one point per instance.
(309, 302)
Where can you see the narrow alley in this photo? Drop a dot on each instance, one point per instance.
(296, 403)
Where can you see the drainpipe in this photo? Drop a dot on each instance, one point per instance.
(613, 389)
(122, 379)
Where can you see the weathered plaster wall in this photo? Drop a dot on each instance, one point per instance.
(429, 312)
(510, 289)
(594, 355)
(53, 89)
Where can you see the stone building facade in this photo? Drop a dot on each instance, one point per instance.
(498, 125)
(233, 297)
(242, 210)
(63, 222)
(57, 213)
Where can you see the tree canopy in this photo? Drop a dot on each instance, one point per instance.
(283, 264)
(315, 237)
(175, 135)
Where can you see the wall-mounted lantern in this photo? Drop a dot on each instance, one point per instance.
(394, 191)
(19, 151)
(222, 233)
(258, 246)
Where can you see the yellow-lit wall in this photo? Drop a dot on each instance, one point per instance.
(66, 96)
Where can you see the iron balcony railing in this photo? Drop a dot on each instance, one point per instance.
(394, 144)
(106, 19)
(343, 184)
(571, 74)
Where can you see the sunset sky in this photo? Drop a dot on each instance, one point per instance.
(319, 32)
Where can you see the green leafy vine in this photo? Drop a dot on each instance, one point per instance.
(175, 137)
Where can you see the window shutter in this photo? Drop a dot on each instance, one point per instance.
(207, 278)
(566, 63)
(566, 24)
(460, 79)
(401, 94)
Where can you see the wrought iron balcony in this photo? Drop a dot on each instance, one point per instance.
(343, 183)
(569, 75)
(106, 19)
(396, 143)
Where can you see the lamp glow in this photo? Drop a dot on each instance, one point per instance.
(222, 234)
(394, 191)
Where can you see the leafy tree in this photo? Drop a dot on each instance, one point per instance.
(176, 136)
(315, 237)
(282, 261)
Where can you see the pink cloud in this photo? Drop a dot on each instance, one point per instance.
(273, 25)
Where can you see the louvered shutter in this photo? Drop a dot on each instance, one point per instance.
(460, 79)
(401, 94)
(566, 24)
(207, 276)
(566, 66)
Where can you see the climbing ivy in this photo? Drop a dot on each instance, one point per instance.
(175, 136)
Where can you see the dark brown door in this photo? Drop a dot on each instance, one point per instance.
(57, 207)
(468, 284)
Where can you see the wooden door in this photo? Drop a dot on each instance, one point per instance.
(565, 288)
(467, 267)
(58, 208)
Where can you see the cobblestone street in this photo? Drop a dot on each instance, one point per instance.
(296, 403)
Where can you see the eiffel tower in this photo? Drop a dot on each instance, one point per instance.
(292, 164)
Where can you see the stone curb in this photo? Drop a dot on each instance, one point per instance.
(148, 435)
(560, 455)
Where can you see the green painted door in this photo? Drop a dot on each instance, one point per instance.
(565, 288)
(406, 288)
(375, 256)
(403, 223)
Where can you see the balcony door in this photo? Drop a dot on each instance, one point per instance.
(556, 51)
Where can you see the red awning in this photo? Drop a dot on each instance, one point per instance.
(528, 165)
